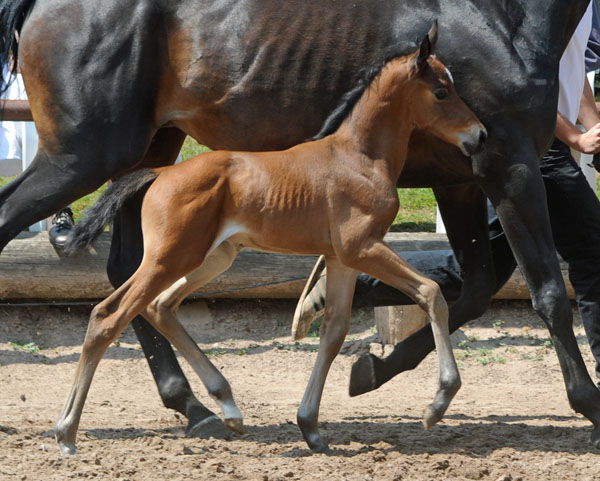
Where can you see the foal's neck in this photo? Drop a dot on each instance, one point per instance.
(379, 126)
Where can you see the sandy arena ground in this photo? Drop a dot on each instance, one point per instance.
(510, 421)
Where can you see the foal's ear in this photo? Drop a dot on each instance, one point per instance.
(433, 34)
(426, 47)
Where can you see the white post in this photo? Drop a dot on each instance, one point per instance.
(29, 138)
(29, 145)
(440, 228)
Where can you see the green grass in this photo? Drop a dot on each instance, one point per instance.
(191, 148)
(30, 347)
(416, 213)
(80, 205)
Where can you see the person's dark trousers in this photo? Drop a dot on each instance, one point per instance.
(575, 218)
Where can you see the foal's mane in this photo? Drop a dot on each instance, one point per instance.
(364, 79)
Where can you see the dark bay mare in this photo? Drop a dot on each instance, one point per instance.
(116, 85)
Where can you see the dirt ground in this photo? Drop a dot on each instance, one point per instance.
(510, 421)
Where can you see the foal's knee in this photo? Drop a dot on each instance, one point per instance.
(431, 300)
(162, 313)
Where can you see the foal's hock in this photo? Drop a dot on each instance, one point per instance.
(334, 196)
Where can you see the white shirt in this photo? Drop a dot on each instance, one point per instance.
(571, 71)
(10, 132)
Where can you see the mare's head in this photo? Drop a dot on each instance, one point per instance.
(434, 104)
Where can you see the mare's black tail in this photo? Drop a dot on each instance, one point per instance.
(12, 16)
(98, 216)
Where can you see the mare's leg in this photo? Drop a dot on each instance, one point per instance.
(484, 271)
(125, 256)
(575, 220)
(340, 288)
(162, 313)
(52, 181)
(380, 261)
(521, 204)
(516, 190)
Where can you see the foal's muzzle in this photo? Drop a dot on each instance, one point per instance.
(473, 140)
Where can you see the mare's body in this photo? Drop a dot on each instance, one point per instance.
(335, 196)
(115, 85)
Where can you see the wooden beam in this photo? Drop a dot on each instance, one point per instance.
(31, 269)
(15, 110)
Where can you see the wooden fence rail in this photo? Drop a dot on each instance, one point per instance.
(15, 110)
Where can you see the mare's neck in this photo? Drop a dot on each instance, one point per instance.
(380, 126)
(553, 21)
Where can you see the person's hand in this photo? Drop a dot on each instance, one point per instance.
(589, 142)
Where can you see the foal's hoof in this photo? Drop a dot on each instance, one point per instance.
(210, 427)
(430, 418)
(363, 376)
(67, 449)
(235, 424)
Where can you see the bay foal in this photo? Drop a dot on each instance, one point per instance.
(334, 196)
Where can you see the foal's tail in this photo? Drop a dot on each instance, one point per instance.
(98, 216)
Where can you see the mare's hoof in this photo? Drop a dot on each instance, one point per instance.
(67, 449)
(321, 449)
(363, 376)
(210, 427)
(317, 444)
(235, 424)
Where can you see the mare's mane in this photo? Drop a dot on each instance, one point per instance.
(364, 79)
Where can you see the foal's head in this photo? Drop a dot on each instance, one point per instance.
(434, 104)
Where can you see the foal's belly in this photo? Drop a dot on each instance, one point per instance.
(287, 239)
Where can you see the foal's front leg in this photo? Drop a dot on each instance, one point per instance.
(340, 289)
(380, 261)
(162, 314)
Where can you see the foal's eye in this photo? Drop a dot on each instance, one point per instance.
(440, 94)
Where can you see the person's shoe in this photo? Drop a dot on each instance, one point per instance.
(62, 224)
(311, 304)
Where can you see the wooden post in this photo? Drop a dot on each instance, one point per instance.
(396, 323)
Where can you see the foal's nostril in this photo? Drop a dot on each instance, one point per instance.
(474, 141)
(482, 136)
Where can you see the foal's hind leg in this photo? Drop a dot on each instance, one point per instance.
(340, 289)
(380, 261)
(107, 321)
(125, 256)
(162, 314)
